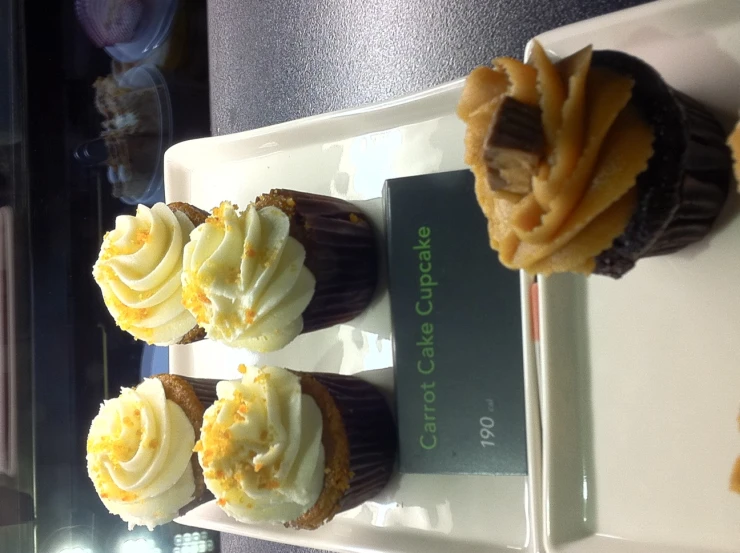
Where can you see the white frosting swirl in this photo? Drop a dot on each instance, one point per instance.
(139, 269)
(260, 447)
(139, 453)
(244, 278)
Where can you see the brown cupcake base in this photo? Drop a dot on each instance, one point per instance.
(203, 388)
(180, 391)
(359, 439)
(197, 216)
(682, 191)
(341, 253)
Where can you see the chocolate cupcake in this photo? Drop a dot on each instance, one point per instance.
(290, 263)
(590, 164)
(685, 185)
(140, 451)
(138, 271)
(295, 448)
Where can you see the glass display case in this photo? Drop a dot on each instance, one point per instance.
(68, 167)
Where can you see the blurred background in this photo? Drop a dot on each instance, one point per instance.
(92, 93)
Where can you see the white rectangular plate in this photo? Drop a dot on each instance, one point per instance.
(641, 376)
(349, 155)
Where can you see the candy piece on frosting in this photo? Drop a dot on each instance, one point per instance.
(565, 141)
(139, 452)
(260, 447)
(138, 271)
(607, 95)
(623, 156)
(514, 146)
(244, 278)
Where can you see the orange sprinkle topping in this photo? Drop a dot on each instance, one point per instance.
(217, 214)
(127, 497)
(242, 368)
(221, 501)
(271, 484)
(104, 273)
(249, 251)
(195, 301)
(142, 237)
(232, 276)
(262, 377)
(250, 315)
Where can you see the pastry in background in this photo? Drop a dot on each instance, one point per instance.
(109, 22)
(291, 262)
(140, 450)
(295, 448)
(132, 163)
(590, 163)
(734, 143)
(127, 110)
(139, 273)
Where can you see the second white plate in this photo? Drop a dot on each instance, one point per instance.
(641, 384)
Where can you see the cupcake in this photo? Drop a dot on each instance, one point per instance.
(591, 163)
(140, 450)
(138, 271)
(295, 448)
(290, 263)
(734, 143)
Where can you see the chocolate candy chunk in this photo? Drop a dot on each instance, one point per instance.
(514, 146)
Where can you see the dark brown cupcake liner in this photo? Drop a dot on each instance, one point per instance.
(204, 388)
(197, 216)
(341, 253)
(686, 183)
(181, 390)
(360, 443)
(371, 433)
